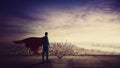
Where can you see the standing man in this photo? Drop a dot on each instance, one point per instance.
(45, 47)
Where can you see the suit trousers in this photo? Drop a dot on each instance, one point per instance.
(45, 52)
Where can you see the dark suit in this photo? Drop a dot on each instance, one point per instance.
(45, 48)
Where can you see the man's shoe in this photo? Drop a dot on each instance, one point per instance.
(42, 62)
(48, 61)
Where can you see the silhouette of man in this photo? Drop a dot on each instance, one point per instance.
(45, 47)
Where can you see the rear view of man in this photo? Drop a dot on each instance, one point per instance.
(45, 47)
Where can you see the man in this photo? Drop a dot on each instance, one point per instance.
(45, 47)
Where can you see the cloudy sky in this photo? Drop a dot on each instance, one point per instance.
(71, 20)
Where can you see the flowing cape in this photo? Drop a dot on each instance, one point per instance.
(33, 43)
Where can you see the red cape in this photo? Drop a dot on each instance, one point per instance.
(33, 43)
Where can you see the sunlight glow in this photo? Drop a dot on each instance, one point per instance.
(80, 27)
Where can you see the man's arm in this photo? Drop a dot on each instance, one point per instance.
(48, 42)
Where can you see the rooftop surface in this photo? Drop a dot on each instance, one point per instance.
(65, 62)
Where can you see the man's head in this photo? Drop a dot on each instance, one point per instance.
(46, 33)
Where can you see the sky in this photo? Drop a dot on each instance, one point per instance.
(71, 20)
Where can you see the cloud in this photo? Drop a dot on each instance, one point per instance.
(60, 17)
(107, 6)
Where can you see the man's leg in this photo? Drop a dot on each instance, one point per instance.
(43, 55)
(47, 54)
